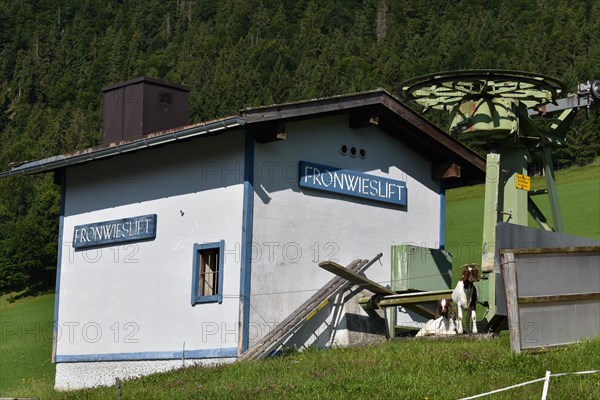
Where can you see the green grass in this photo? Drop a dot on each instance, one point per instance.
(579, 198)
(405, 369)
(400, 369)
(26, 345)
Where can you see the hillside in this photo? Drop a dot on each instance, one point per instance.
(579, 198)
(55, 57)
(405, 369)
(26, 344)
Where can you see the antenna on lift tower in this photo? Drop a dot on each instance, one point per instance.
(494, 109)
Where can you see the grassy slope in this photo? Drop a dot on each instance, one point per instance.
(26, 345)
(403, 369)
(579, 197)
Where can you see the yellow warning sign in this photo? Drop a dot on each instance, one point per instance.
(523, 182)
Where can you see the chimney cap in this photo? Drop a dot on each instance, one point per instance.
(148, 80)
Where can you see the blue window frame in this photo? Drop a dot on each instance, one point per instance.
(207, 273)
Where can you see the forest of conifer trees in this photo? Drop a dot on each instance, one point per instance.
(56, 55)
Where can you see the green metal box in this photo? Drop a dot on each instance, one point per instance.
(420, 268)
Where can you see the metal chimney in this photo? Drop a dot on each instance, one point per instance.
(143, 105)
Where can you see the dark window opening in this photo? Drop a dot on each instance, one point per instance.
(207, 274)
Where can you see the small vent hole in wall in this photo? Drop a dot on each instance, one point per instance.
(362, 153)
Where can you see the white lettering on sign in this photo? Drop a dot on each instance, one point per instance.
(353, 183)
(123, 230)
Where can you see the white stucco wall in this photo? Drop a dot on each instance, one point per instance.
(295, 228)
(129, 304)
(133, 301)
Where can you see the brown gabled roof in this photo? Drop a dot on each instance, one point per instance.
(373, 108)
(379, 108)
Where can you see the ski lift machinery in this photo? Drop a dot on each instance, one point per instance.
(494, 109)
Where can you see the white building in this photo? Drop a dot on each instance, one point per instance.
(188, 245)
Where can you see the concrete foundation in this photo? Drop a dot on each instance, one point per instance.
(80, 375)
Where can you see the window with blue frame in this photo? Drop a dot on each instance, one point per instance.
(207, 283)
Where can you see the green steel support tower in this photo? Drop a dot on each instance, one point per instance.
(492, 109)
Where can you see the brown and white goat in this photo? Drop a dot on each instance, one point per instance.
(443, 324)
(465, 295)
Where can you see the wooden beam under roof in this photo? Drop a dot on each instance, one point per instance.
(381, 109)
(445, 170)
(270, 132)
(363, 119)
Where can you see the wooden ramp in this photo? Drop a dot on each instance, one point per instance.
(271, 341)
(412, 301)
(355, 278)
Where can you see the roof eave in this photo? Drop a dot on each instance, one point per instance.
(378, 99)
(60, 161)
(402, 122)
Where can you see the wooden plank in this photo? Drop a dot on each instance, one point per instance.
(421, 310)
(305, 312)
(369, 305)
(548, 250)
(415, 301)
(355, 278)
(297, 317)
(316, 310)
(414, 298)
(558, 298)
(509, 273)
(307, 108)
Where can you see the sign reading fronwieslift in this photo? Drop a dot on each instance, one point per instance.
(351, 183)
(124, 230)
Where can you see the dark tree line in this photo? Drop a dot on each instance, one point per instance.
(56, 55)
